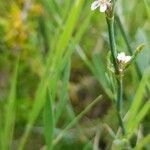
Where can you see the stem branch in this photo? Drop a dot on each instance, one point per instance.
(125, 37)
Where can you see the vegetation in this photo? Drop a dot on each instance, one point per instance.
(62, 82)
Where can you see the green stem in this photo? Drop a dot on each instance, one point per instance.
(125, 37)
(110, 23)
(119, 102)
(121, 123)
(119, 96)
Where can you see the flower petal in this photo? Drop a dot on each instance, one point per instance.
(128, 58)
(121, 56)
(95, 4)
(103, 7)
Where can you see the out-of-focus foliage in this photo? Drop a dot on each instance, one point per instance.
(56, 51)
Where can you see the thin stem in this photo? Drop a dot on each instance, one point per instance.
(110, 23)
(125, 37)
(120, 93)
(119, 102)
(121, 123)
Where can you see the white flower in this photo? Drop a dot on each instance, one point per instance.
(122, 58)
(103, 4)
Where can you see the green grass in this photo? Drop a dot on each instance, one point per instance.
(54, 59)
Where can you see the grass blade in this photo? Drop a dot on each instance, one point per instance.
(143, 143)
(55, 69)
(48, 122)
(10, 111)
(76, 119)
(139, 117)
(138, 97)
(137, 102)
(63, 94)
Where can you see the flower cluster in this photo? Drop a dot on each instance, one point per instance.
(102, 4)
(122, 60)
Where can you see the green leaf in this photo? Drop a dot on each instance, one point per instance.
(133, 113)
(10, 112)
(144, 110)
(143, 142)
(53, 65)
(63, 94)
(76, 119)
(48, 122)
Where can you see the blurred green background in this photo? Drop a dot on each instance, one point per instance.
(61, 46)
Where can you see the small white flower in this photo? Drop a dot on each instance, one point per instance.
(103, 4)
(122, 58)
